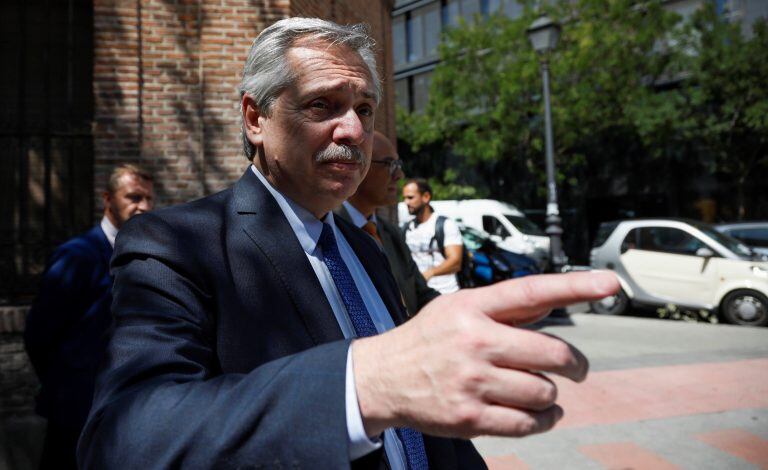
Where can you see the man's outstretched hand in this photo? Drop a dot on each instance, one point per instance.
(461, 368)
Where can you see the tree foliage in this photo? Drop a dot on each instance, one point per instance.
(632, 84)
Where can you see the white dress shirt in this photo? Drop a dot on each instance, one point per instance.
(308, 229)
(358, 218)
(109, 230)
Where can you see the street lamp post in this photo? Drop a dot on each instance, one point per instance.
(543, 34)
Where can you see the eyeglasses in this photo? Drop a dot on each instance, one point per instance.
(393, 164)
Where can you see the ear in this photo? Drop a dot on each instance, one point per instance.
(427, 197)
(251, 125)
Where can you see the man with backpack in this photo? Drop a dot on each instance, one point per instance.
(434, 240)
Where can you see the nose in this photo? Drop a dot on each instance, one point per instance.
(349, 130)
(398, 174)
(145, 205)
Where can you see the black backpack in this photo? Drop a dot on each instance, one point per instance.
(464, 275)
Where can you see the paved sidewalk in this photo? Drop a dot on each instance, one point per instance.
(661, 395)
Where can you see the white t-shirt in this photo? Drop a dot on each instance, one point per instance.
(418, 238)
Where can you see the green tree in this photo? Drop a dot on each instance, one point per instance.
(728, 100)
(485, 97)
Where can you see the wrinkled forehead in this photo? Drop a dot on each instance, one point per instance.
(318, 62)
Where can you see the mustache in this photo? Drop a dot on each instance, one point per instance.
(343, 153)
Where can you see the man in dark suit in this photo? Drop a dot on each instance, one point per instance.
(65, 334)
(236, 315)
(379, 189)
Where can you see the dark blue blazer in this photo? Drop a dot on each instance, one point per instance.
(226, 353)
(66, 330)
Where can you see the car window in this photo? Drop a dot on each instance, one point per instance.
(735, 246)
(630, 241)
(751, 236)
(493, 226)
(605, 229)
(668, 240)
(525, 225)
(473, 239)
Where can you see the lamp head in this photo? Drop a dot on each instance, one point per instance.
(543, 34)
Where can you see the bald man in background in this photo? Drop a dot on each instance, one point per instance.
(379, 189)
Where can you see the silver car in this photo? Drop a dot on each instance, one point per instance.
(681, 262)
(752, 234)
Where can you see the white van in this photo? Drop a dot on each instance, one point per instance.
(506, 225)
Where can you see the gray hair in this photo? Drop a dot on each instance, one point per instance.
(267, 72)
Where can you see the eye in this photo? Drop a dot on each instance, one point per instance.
(365, 110)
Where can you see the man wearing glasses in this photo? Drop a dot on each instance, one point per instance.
(379, 189)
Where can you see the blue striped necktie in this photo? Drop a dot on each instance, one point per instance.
(412, 440)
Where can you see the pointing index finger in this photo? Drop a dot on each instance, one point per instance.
(528, 299)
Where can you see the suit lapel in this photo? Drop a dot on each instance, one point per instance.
(259, 216)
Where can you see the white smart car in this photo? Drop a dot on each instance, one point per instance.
(681, 262)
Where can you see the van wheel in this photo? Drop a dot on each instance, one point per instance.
(617, 304)
(745, 307)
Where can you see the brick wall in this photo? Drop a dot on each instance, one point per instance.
(18, 383)
(165, 79)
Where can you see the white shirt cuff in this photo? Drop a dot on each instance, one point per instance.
(359, 443)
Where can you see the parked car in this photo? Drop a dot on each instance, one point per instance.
(752, 234)
(509, 228)
(681, 262)
(488, 263)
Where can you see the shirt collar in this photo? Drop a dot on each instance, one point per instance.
(109, 230)
(304, 224)
(358, 218)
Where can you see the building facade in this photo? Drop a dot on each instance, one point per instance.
(418, 24)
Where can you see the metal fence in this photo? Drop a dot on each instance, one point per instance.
(46, 145)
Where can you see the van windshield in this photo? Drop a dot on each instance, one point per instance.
(525, 225)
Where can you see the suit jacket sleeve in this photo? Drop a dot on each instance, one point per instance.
(161, 400)
(65, 295)
(423, 293)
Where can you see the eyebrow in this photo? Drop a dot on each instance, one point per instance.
(334, 88)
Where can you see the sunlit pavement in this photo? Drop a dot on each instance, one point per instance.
(660, 395)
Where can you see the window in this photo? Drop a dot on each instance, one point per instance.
(630, 241)
(451, 13)
(415, 40)
(469, 8)
(421, 90)
(513, 8)
(431, 19)
(423, 27)
(668, 240)
(525, 225)
(493, 226)
(605, 230)
(399, 46)
(751, 236)
(402, 95)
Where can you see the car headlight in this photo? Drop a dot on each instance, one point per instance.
(760, 271)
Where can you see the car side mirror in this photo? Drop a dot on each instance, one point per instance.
(705, 252)
(496, 238)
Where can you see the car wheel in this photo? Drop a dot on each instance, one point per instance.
(617, 304)
(745, 307)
